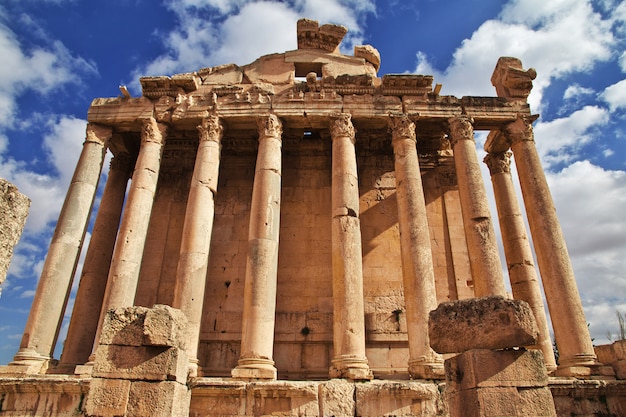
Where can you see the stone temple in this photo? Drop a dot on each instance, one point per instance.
(273, 238)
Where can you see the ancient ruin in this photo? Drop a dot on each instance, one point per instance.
(13, 212)
(289, 226)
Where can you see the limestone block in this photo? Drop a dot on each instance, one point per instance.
(336, 398)
(284, 398)
(620, 369)
(164, 326)
(13, 212)
(141, 363)
(107, 398)
(158, 399)
(481, 323)
(605, 353)
(619, 347)
(397, 398)
(500, 368)
(123, 326)
(502, 401)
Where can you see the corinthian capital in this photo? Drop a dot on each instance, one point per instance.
(210, 129)
(461, 129)
(498, 162)
(520, 130)
(341, 126)
(152, 131)
(98, 133)
(402, 127)
(270, 126)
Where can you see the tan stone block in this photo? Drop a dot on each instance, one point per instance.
(123, 326)
(336, 398)
(500, 368)
(620, 349)
(107, 397)
(395, 398)
(141, 362)
(481, 323)
(284, 398)
(158, 399)
(620, 369)
(164, 326)
(605, 353)
(536, 402)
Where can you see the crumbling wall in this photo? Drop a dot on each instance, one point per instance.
(13, 212)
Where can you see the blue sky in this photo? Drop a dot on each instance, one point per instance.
(57, 55)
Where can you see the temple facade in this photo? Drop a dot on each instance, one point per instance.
(303, 216)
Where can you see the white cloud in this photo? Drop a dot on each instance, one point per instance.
(615, 95)
(576, 90)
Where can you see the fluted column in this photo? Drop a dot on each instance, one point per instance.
(417, 261)
(479, 231)
(55, 283)
(517, 250)
(84, 322)
(131, 238)
(197, 229)
(566, 312)
(259, 302)
(348, 309)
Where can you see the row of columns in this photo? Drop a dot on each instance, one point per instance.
(102, 288)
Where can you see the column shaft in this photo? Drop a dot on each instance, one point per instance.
(479, 231)
(517, 250)
(566, 311)
(131, 238)
(46, 315)
(349, 314)
(259, 309)
(84, 322)
(197, 229)
(417, 262)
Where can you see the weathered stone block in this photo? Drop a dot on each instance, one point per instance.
(500, 368)
(107, 397)
(158, 399)
(481, 323)
(123, 326)
(337, 398)
(164, 326)
(141, 363)
(284, 398)
(605, 354)
(13, 212)
(399, 398)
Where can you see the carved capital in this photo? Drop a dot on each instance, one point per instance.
(97, 133)
(210, 129)
(461, 129)
(341, 126)
(270, 126)
(520, 130)
(152, 131)
(402, 128)
(498, 163)
(121, 162)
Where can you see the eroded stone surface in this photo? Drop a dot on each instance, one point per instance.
(13, 212)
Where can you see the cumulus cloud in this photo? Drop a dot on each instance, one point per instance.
(576, 90)
(615, 95)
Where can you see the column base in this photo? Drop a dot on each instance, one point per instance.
(577, 366)
(28, 361)
(426, 370)
(350, 367)
(254, 368)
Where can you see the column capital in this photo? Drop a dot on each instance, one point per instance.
(499, 162)
(341, 126)
(153, 131)
(97, 133)
(520, 130)
(211, 129)
(402, 128)
(121, 162)
(461, 128)
(270, 126)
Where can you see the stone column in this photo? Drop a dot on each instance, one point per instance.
(55, 283)
(348, 309)
(131, 238)
(519, 256)
(417, 262)
(84, 322)
(197, 229)
(259, 302)
(479, 231)
(568, 319)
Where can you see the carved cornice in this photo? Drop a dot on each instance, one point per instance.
(461, 128)
(270, 126)
(97, 133)
(402, 128)
(341, 126)
(498, 163)
(152, 131)
(210, 129)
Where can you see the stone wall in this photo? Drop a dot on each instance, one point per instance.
(13, 212)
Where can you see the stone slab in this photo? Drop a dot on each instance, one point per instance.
(481, 323)
(164, 326)
(337, 398)
(123, 326)
(107, 397)
(398, 398)
(158, 399)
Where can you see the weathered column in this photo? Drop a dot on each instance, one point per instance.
(348, 309)
(197, 229)
(259, 302)
(131, 238)
(479, 231)
(519, 256)
(566, 311)
(417, 262)
(55, 283)
(84, 322)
